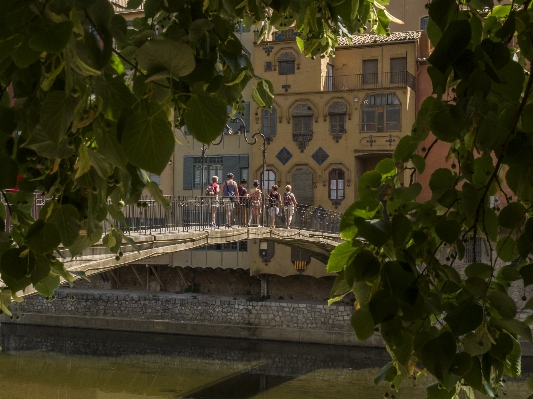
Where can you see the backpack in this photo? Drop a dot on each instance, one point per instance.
(288, 199)
(209, 191)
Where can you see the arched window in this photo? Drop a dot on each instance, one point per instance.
(424, 22)
(336, 184)
(381, 113)
(337, 119)
(268, 180)
(269, 123)
(302, 125)
(286, 62)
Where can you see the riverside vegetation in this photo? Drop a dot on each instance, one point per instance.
(89, 106)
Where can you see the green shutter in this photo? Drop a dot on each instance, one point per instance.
(188, 173)
(231, 164)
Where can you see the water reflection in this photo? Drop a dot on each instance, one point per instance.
(46, 362)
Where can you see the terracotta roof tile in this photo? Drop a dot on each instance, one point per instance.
(375, 39)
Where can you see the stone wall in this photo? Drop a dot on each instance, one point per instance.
(195, 314)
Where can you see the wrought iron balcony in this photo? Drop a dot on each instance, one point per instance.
(369, 81)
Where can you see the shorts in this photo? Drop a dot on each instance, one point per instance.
(289, 210)
(273, 210)
(214, 202)
(228, 203)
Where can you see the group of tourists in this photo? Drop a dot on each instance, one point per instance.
(238, 202)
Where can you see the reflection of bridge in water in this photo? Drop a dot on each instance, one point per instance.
(185, 225)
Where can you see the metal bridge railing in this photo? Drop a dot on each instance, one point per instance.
(198, 213)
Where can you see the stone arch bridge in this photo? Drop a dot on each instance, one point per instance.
(185, 225)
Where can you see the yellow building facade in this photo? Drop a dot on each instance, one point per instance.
(333, 119)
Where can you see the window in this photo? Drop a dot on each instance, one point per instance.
(244, 174)
(380, 113)
(370, 72)
(268, 66)
(424, 23)
(269, 122)
(238, 246)
(329, 77)
(337, 119)
(212, 167)
(286, 63)
(469, 250)
(398, 69)
(336, 184)
(302, 125)
(268, 180)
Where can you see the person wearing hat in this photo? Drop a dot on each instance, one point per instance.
(242, 204)
(255, 204)
(230, 195)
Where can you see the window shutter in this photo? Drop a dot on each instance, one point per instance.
(230, 165)
(370, 72)
(302, 186)
(398, 64)
(187, 173)
(243, 161)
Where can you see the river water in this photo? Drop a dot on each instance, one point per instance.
(62, 363)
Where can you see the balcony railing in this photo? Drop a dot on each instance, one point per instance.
(369, 81)
(121, 6)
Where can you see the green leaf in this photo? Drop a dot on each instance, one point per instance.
(43, 237)
(441, 181)
(151, 7)
(364, 266)
(512, 215)
(57, 112)
(47, 286)
(462, 363)
(387, 373)
(119, 28)
(149, 141)
(340, 287)
(376, 232)
(438, 355)
(134, 4)
(513, 326)
(527, 274)
(366, 209)
(529, 383)
(339, 256)
(419, 162)
(115, 95)
(66, 219)
(434, 391)
(453, 42)
(513, 365)
(157, 194)
(42, 269)
(17, 263)
(505, 305)
(52, 37)
(466, 317)
(503, 347)
(383, 306)
(448, 230)
(481, 270)
(162, 58)
(199, 27)
(506, 249)
(362, 292)
(205, 117)
(470, 200)
(41, 143)
(386, 167)
(405, 149)
(10, 171)
(401, 230)
(363, 324)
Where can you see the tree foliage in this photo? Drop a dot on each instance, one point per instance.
(401, 256)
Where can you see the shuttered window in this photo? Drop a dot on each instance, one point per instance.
(214, 165)
(337, 117)
(302, 125)
(302, 186)
(398, 69)
(269, 122)
(370, 72)
(286, 63)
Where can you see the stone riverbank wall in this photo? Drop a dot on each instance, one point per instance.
(194, 314)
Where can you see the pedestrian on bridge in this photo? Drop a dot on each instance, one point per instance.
(230, 194)
(255, 204)
(242, 204)
(274, 202)
(289, 205)
(212, 192)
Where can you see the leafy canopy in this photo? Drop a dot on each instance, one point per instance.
(402, 260)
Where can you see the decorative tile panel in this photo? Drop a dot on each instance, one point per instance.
(320, 156)
(284, 155)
